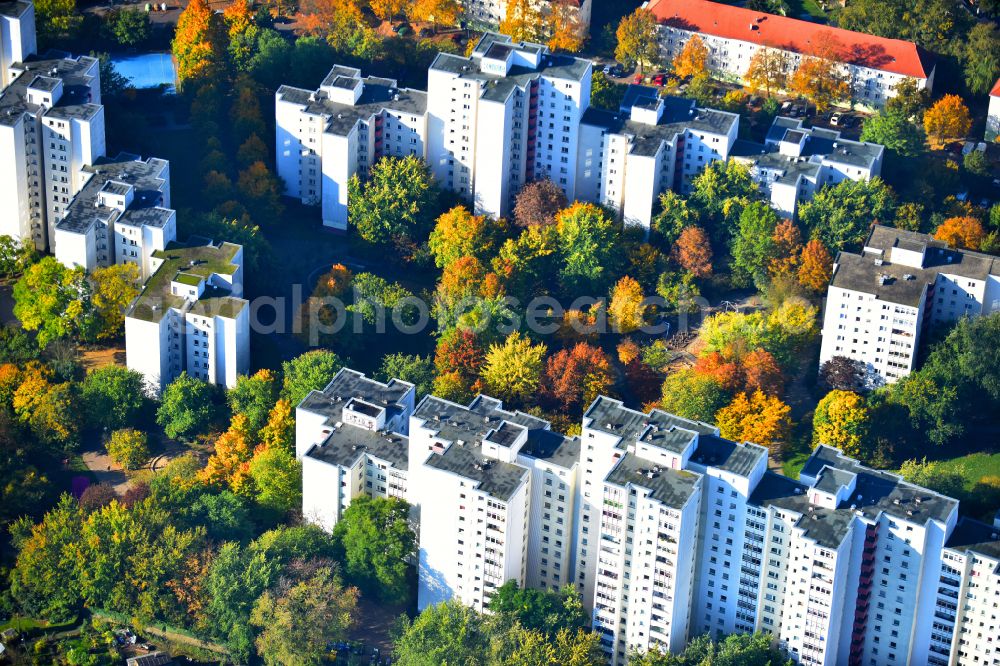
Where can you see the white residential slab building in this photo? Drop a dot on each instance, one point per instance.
(17, 36)
(121, 215)
(881, 301)
(190, 316)
(796, 161)
(325, 136)
(51, 126)
(872, 66)
(668, 530)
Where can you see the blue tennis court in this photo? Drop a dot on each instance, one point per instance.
(146, 70)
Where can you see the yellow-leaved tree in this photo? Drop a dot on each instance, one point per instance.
(692, 61)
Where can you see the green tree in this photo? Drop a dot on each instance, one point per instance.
(187, 407)
(840, 216)
(254, 396)
(277, 477)
(548, 611)
(605, 93)
(128, 448)
(935, 475)
(909, 101)
(588, 242)
(753, 245)
(297, 624)
(55, 301)
(674, 216)
(113, 288)
(513, 369)
(127, 27)
(113, 397)
(15, 256)
(56, 19)
(396, 202)
(742, 649)
(981, 57)
(376, 298)
(418, 370)
(375, 538)
(637, 43)
(842, 420)
(236, 578)
(447, 633)
(311, 371)
(896, 132)
(691, 395)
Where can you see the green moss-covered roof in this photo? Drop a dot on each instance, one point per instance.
(189, 263)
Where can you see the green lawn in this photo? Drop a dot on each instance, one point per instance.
(974, 466)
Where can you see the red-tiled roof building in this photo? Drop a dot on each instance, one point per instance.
(874, 65)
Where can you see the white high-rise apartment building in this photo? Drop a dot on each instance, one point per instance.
(668, 530)
(795, 162)
(327, 135)
(508, 114)
(190, 316)
(513, 113)
(993, 114)
(121, 215)
(872, 66)
(51, 126)
(880, 301)
(17, 36)
(654, 144)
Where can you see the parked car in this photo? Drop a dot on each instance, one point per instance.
(659, 79)
(638, 79)
(835, 119)
(786, 106)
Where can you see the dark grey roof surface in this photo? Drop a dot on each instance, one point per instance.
(471, 424)
(831, 480)
(879, 492)
(13, 8)
(553, 447)
(826, 527)
(115, 175)
(976, 537)
(657, 428)
(671, 487)
(378, 94)
(347, 384)
(346, 444)
(938, 256)
(729, 456)
(493, 477)
(858, 273)
(76, 97)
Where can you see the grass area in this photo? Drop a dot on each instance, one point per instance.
(793, 463)
(27, 624)
(974, 467)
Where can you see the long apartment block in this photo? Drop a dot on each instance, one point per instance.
(872, 66)
(487, 14)
(512, 113)
(882, 300)
(668, 530)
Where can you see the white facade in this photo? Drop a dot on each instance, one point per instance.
(52, 125)
(121, 215)
(872, 66)
(190, 316)
(880, 301)
(17, 36)
(328, 135)
(666, 529)
(487, 14)
(795, 162)
(993, 114)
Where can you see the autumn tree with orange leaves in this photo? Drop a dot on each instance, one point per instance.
(627, 312)
(787, 241)
(948, 119)
(199, 43)
(961, 232)
(575, 376)
(815, 266)
(565, 31)
(693, 251)
(756, 418)
(819, 77)
(437, 12)
(692, 61)
(767, 72)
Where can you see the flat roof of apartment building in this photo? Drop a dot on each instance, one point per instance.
(14, 8)
(76, 96)
(791, 34)
(672, 487)
(115, 175)
(827, 527)
(200, 257)
(657, 428)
